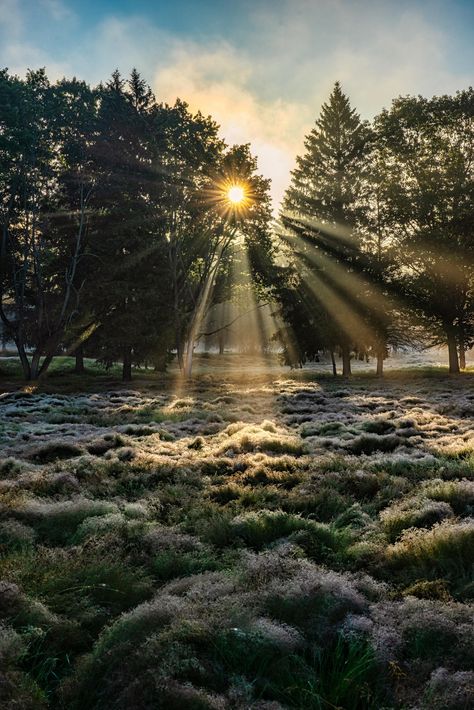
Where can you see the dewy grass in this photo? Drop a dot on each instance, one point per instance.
(445, 550)
(292, 542)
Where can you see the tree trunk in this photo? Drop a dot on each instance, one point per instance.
(380, 359)
(179, 355)
(346, 361)
(127, 364)
(48, 359)
(188, 359)
(333, 362)
(35, 366)
(452, 351)
(221, 340)
(25, 363)
(462, 355)
(79, 368)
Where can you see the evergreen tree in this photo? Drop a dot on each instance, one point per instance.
(322, 218)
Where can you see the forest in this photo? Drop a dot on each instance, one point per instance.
(231, 478)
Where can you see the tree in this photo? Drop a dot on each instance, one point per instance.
(322, 215)
(44, 194)
(132, 282)
(427, 148)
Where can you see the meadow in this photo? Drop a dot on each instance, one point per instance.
(263, 540)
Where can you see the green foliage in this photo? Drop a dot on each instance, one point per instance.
(428, 184)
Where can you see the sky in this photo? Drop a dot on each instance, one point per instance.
(260, 68)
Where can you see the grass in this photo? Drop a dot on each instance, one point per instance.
(447, 551)
(260, 541)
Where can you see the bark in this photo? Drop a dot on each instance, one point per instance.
(452, 351)
(333, 362)
(79, 354)
(127, 364)
(346, 361)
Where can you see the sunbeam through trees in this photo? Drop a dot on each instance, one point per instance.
(236, 437)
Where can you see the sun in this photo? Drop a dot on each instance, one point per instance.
(236, 194)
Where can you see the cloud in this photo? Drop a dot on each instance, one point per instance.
(269, 90)
(58, 10)
(218, 82)
(19, 50)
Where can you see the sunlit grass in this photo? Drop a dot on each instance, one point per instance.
(145, 531)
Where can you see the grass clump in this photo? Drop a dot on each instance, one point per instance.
(257, 530)
(54, 451)
(55, 523)
(413, 513)
(459, 494)
(88, 585)
(370, 443)
(447, 550)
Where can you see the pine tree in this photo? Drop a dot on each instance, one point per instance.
(322, 216)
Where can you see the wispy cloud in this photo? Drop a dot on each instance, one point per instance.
(269, 89)
(59, 11)
(218, 81)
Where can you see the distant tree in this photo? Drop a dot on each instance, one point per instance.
(427, 148)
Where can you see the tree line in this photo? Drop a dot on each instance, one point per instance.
(378, 228)
(115, 223)
(117, 234)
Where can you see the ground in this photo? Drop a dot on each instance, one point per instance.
(252, 539)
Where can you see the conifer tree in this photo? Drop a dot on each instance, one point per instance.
(323, 214)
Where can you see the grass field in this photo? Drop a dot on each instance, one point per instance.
(256, 539)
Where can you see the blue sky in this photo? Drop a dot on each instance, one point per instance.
(261, 68)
